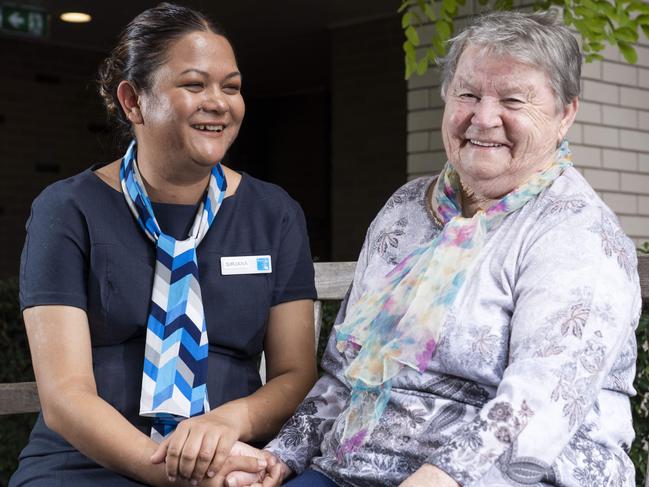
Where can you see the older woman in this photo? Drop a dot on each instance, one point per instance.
(491, 342)
(151, 284)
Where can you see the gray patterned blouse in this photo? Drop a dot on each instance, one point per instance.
(531, 380)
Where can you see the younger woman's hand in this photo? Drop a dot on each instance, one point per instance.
(197, 448)
(275, 473)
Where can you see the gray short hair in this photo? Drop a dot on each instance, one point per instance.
(538, 39)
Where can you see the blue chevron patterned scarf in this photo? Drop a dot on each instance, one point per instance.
(175, 358)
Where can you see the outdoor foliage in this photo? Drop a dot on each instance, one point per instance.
(15, 367)
(640, 403)
(599, 22)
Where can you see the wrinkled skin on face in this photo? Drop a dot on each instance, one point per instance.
(501, 123)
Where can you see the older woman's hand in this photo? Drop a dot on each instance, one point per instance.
(429, 476)
(197, 448)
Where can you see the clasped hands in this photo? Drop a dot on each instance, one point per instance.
(205, 450)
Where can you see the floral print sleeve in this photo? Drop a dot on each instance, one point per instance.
(299, 439)
(576, 301)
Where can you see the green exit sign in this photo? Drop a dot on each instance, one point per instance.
(24, 20)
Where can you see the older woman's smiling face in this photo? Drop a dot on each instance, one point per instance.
(501, 123)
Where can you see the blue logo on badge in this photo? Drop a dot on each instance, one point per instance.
(263, 263)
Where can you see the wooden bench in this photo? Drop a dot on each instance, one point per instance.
(332, 281)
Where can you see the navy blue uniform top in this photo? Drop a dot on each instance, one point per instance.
(85, 249)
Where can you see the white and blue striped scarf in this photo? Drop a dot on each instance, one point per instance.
(175, 359)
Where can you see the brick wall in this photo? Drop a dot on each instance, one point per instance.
(610, 138)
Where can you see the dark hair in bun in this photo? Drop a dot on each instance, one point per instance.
(141, 49)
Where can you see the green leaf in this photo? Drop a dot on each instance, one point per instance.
(645, 29)
(430, 13)
(411, 66)
(406, 20)
(583, 27)
(606, 8)
(593, 57)
(584, 12)
(598, 22)
(642, 19)
(443, 29)
(449, 6)
(638, 7)
(628, 52)
(422, 66)
(626, 34)
(412, 36)
(409, 49)
(596, 46)
(404, 5)
(438, 46)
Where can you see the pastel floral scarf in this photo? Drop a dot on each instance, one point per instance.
(398, 322)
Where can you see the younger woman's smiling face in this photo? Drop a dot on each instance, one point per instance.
(193, 111)
(501, 122)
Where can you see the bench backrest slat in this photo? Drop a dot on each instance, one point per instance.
(332, 279)
(332, 282)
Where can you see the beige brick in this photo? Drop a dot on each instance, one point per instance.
(635, 226)
(643, 205)
(643, 78)
(592, 70)
(643, 120)
(601, 136)
(600, 179)
(426, 34)
(589, 112)
(426, 162)
(575, 134)
(620, 73)
(633, 97)
(634, 140)
(430, 78)
(643, 163)
(435, 98)
(584, 156)
(634, 183)
(621, 203)
(643, 56)
(417, 99)
(424, 120)
(612, 53)
(603, 92)
(618, 159)
(620, 117)
(417, 142)
(435, 141)
(643, 39)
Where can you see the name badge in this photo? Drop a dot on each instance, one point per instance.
(246, 264)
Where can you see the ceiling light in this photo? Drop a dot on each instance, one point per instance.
(75, 17)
